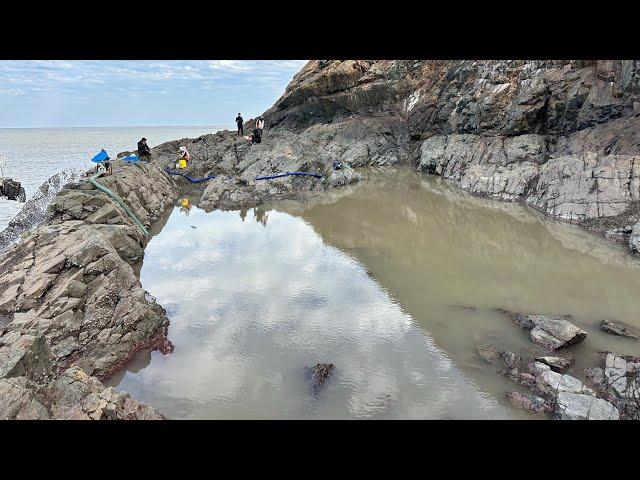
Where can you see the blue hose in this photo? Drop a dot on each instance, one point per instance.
(192, 180)
(305, 174)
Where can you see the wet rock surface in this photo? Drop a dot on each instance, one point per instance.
(619, 328)
(547, 331)
(319, 375)
(618, 380)
(557, 364)
(562, 396)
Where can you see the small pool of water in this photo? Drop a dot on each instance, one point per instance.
(370, 278)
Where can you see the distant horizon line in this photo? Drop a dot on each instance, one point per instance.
(112, 126)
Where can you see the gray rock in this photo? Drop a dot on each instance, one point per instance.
(619, 328)
(634, 239)
(575, 406)
(557, 364)
(529, 402)
(549, 332)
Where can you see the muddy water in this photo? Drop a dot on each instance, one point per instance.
(393, 280)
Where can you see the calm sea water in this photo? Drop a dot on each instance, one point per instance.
(34, 154)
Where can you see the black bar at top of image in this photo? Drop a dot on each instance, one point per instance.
(378, 30)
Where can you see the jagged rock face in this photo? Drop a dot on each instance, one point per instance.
(564, 136)
(69, 293)
(73, 396)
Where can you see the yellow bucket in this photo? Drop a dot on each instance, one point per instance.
(182, 163)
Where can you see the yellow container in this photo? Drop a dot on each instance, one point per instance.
(182, 163)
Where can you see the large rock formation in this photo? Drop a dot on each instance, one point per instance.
(69, 295)
(561, 136)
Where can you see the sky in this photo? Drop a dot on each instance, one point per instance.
(65, 93)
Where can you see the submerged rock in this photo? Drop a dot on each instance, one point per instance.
(488, 353)
(619, 328)
(319, 375)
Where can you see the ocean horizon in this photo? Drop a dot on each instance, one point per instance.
(34, 154)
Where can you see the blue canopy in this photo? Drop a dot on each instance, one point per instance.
(131, 158)
(100, 157)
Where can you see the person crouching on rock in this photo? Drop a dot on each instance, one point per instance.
(184, 158)
(260, 124)
(255, 137)
(144, 152)
(239, 122)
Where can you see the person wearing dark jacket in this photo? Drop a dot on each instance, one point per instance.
(144, 152)
(255, 137)
(240, 121)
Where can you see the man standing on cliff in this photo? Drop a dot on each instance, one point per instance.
(240, 121)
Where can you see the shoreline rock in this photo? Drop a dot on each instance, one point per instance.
(620, 329)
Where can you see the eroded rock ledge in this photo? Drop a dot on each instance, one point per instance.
(69, 296)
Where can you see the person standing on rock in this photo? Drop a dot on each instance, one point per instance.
(240, 121)
(260, 125)
(144, 152)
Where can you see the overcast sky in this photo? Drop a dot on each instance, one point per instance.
(120, 93)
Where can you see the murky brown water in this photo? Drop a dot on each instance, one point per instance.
(369, 277)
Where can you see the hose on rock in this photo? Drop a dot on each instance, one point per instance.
(120, 202)
(192, 180)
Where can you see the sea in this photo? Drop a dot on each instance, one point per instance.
(33, 155)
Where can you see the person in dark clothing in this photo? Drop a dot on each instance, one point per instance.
(240, 121)
(255, 137)
(144, 152)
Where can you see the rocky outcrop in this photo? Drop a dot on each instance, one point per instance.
(73, 396)
(549, 332)
(34, 210)
(562, 396)
(620, 329)
(562, 136)
(618, 380)
(575, 406)
(319, 375)
(70, 294)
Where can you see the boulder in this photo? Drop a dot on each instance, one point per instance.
(530, 402)
(557, 364)
(619, 328)
(549, 332)
(576, 406)
(319, 375)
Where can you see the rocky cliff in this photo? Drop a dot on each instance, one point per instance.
(560, 136)
(563, 136)
(70, 297)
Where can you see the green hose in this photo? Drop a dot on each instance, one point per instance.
(104, 189)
